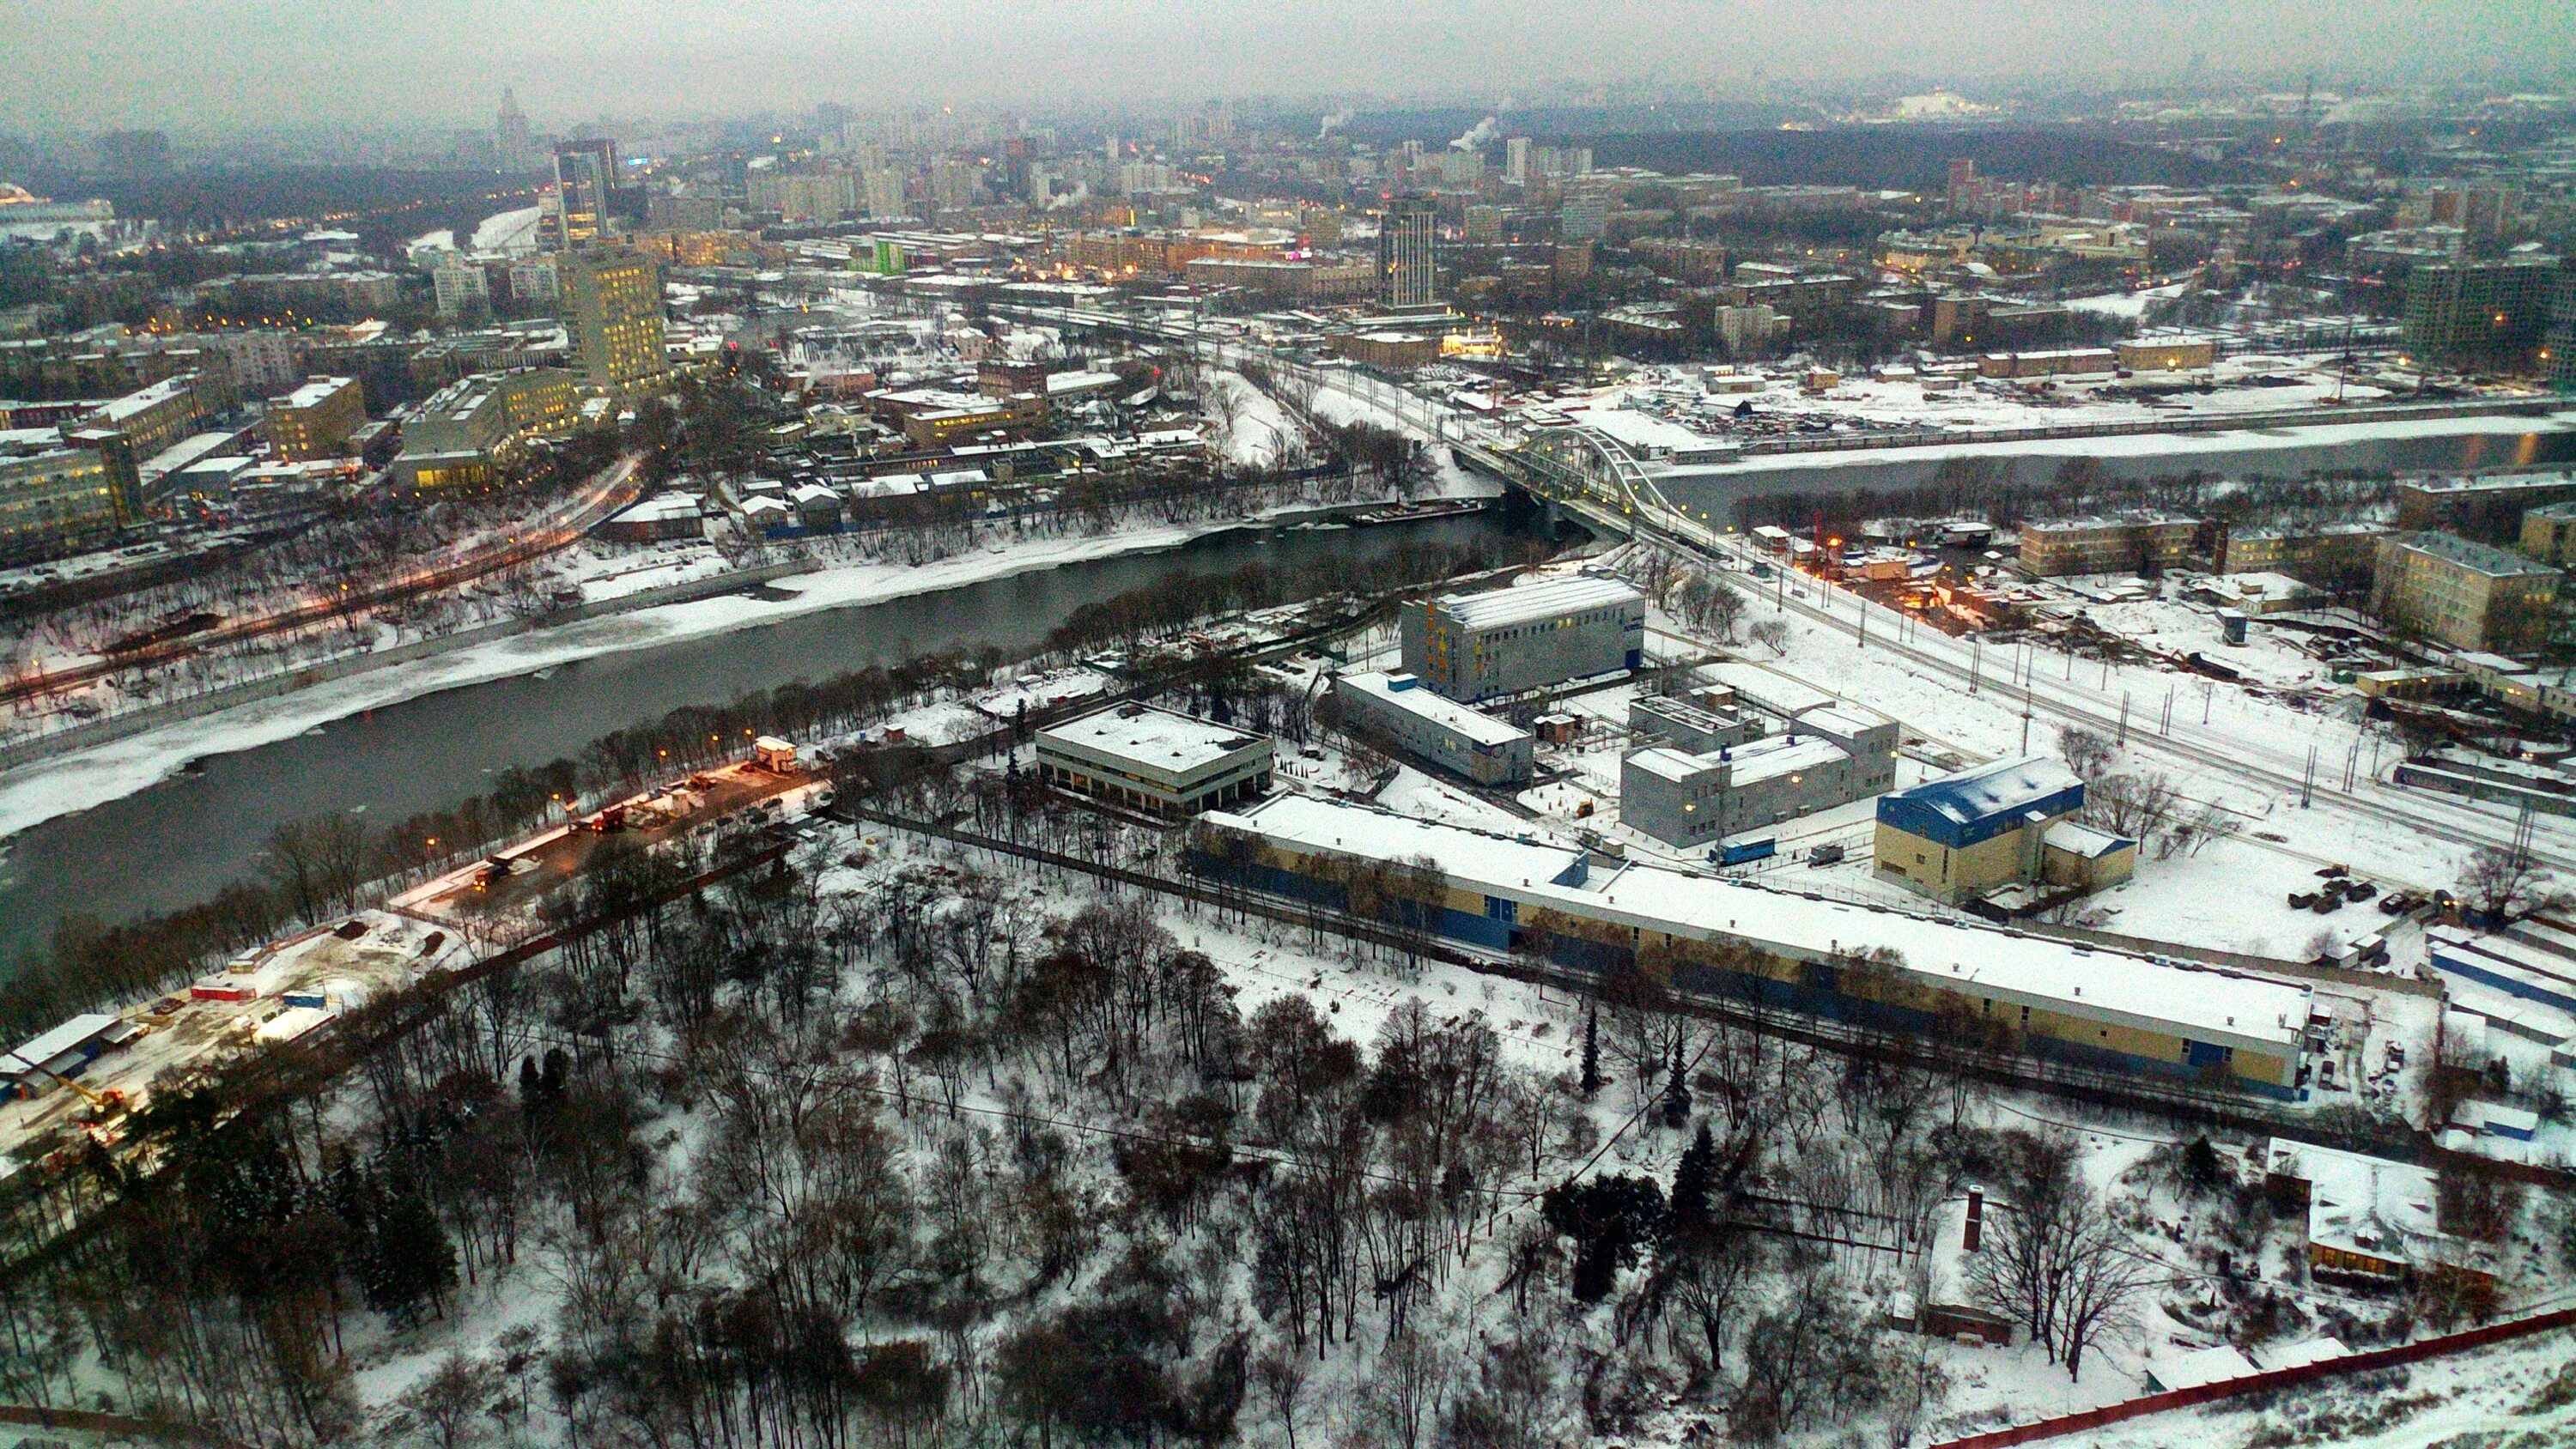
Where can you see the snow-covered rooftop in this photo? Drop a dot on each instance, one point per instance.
(2361, 1204)
(1475, 726)
(1309, 824)
(2469, 554)
(2082, 840)
(664, 506)
(1990, 790)
(2222, 1007)
(2178, 1371)
(1769, 690)
(1545, 599)
(1755, 760)
(38, 1050)
(1837, 720)
(1157, 737)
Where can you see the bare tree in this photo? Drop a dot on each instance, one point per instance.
(1404, 1391)
(2136, 807)
(2103, 1278)
(2057, 1259)
(2502, 883)
(450, 1402)
(1280, 1374)
(2087, 752)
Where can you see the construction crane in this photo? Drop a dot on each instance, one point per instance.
(102, 1105)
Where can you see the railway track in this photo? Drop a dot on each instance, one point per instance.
(2238, 758)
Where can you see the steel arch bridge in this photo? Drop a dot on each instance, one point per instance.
(1581, 469)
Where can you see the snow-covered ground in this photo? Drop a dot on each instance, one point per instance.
(2231, 895)
(2135, 445)
(2129, 305)
(1347, 398)
(1414, 793)
(2520, 1394)
(1540, 1030)
(508, 231)
(1666, 408)
(1257, 432)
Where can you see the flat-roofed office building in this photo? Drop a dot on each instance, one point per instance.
(316, 419)
(2115, 543)
(1825, 759)
(2468, 595)
(1155, 760)
(56, 500)
(612, 307)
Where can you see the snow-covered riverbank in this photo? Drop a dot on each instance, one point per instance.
(82, 778)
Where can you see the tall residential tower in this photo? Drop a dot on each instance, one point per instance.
(585, 186)
(612, 308)
(1405, 273)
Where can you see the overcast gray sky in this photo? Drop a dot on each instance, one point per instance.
(220, 64)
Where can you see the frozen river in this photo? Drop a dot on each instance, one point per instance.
(184, 838)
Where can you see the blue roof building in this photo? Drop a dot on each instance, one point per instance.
(1978, 830)
(1980, 804)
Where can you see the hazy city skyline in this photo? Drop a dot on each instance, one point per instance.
(263, 64)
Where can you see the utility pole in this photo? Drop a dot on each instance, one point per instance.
(2124, 719)
(1976, 662)
(2308, 782)
(2164, 726)
(2025, 719)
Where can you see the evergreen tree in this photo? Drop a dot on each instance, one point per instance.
(1591, 1053)
(409, 1259)
(1677, 1093)
(1689, 1208)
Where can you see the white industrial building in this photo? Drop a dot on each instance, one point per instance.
(63, 1053)
(2088, 1005)
(1440, 731)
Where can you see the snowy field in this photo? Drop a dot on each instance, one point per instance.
(2520, 1395)
(2134, 445)
(1663, 409)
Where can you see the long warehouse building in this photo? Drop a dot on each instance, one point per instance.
(1440, 731)
(2093, 1007)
